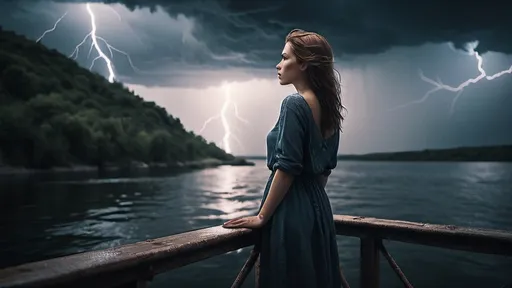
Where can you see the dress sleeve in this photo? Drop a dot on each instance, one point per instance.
(333, 161)
(289, 146)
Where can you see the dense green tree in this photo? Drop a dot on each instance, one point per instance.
(55, 113)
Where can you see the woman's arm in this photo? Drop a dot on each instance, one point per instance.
(278, 189)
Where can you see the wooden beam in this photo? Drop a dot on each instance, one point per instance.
(127, 263)
(444, 236)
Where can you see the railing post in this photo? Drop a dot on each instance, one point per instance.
(240, 278)
(369, 266)
(257, 273)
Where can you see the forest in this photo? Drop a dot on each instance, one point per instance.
(55, 113)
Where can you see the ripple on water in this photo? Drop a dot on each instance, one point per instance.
(97, 214)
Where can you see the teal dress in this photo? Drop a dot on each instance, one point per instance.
(298, 244)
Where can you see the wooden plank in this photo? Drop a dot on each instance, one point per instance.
(127, 263)
(444, 236)
(369, 270)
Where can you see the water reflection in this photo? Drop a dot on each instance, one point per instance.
(66, 215)
(485, 172)
(227, 193)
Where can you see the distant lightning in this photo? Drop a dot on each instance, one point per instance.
(95, 44)
(225, 123)
(224, 120)
(438, 85)
(238, 115)
(115, 12)
(53, 28)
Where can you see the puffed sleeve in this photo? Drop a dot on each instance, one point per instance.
(333, 160)
(289, 146)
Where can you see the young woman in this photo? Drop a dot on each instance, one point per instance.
(298, 245)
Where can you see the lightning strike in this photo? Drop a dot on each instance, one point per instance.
(115, 12)
(95, 39)
(225, 123)
(438, 85)
(237, 115)
(228, 134)
(95, 45)
(53, 28)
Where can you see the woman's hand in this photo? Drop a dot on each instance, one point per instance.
(252, 222)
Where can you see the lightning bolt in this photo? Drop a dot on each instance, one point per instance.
(115, 12)
(439, 85)
(224, 120)
(95, 39)
(53, 28)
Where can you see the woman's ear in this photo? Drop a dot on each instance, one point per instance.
(303, 66)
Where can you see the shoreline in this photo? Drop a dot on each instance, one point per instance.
(133, 166)
(495, 153)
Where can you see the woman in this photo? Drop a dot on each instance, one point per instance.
(298, 246)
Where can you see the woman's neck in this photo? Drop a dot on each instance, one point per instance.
(302, 87)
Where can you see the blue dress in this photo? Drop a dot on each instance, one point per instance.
(298, 244)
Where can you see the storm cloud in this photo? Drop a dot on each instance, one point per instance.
(223, 38)
(354, 27)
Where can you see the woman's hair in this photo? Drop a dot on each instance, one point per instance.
(314, 50)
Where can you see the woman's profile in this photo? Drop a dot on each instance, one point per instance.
(298, 247)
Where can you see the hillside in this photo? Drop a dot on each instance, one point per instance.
(54, 113)
(485, 153)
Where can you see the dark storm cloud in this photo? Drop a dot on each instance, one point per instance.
(353, 26)
(250, 34)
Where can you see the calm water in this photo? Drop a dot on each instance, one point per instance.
(57, 215)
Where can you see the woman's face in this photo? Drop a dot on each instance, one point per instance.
(288, 70)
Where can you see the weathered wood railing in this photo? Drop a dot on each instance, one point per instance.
(134, 265)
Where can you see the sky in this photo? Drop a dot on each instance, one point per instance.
(182, 52)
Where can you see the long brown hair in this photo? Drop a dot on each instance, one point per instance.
(314, 50)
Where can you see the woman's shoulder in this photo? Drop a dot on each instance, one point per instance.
(293, 101)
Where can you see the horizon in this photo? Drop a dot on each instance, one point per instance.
(407, 151)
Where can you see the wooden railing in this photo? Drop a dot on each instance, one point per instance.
(134, 265)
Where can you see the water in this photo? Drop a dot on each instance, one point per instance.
(55, 215)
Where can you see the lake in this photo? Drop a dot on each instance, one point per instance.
(57, 214)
